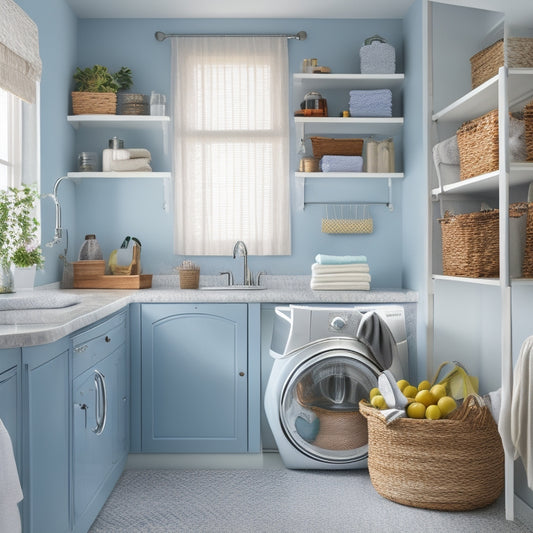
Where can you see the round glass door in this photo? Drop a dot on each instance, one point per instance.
(319, 406)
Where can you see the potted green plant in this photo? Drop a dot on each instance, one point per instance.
(19, 248)
(96, 89)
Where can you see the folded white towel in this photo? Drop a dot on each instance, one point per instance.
(339, 286)
(325, 259)
(349, 277)
(136, 153)
(317, 268)
(140, 164)
(10, 490)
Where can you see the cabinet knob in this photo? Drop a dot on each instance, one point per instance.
(241, 374)
(107, 339)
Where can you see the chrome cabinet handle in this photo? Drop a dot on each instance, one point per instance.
(80, 349)
(101, 402)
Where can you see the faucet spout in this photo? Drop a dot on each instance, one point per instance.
(58, 233)
(240, 247)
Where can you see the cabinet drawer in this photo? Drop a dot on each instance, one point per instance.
(97, 343)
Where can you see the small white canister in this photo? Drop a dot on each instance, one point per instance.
(377, 56)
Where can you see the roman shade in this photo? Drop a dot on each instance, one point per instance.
(20, 63)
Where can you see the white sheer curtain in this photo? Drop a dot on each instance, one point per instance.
(231, 141)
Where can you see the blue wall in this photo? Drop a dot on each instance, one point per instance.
(58, 48)
(112, 210)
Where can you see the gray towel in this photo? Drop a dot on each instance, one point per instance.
(375, 333)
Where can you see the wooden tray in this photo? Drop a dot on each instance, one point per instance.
(143, 281)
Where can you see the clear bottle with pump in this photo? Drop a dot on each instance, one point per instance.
(90, 249)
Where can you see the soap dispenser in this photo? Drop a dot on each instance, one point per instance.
(115, 151)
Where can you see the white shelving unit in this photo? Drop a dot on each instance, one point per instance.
(143, 122)
(508, 91)
(361, 126)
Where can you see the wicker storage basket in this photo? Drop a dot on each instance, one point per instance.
(452, 464)
(527, 264)
(470, 242)
(485, 64)
(86, 103)
(189, 278)
(528, 121)
(477, 140)
(328, 146)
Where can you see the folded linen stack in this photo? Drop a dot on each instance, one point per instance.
(374, 103)
(341, 163)
(138, 161)
(340, 272)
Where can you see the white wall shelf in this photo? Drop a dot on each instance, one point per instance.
(118, 175)
(349, 81)
(352, 175)
(358, 125)
(476, 281)
(129, 121)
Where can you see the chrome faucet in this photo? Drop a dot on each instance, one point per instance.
(240, 247)
(58, 234)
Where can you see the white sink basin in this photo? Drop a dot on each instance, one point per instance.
(233, 288)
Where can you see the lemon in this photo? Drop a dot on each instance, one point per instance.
(446, 405)
(410, 391)
(416, 410)
(379, 402)
(433, 412)
(374, 392)
(402, 383)
(425, 397)
(424, 385)
(438, 391)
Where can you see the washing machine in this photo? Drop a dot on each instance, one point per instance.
(326, 360)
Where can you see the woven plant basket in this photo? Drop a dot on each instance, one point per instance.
(477, 140)
(86, 103)
(470, 242)
(452, 464)
(485, 64)
(189, 278)
(328, 146)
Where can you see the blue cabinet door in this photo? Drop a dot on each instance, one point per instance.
(46, 482)
(194, 378)
(10, 398)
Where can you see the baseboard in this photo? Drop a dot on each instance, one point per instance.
(523, 511)
(203, 461)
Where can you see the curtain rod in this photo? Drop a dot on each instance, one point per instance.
(300, 36)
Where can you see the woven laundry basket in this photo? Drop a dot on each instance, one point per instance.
(470, 242)
(528, 121)
(485, 64)
(452, 464)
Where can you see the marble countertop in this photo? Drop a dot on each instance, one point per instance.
(25, 327)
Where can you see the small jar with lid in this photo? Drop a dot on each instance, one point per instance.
(90, 249)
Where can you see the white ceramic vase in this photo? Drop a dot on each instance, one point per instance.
(24, 278)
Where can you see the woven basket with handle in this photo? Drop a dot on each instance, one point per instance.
(452, 464)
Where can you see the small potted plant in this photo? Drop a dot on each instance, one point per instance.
(20, 252)
(96, 89)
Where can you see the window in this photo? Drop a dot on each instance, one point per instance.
(230, 156)
(10, 140)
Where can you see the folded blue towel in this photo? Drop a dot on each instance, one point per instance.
(374, 103)
(323, 259)
(341, 163)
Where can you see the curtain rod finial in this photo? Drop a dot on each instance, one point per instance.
(160, 36)
(301, 35)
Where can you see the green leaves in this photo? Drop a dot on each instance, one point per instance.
(98, 79)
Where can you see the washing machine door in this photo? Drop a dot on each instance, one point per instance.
(319, 406)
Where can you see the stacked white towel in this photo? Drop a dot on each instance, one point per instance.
(138, 161)
(341, 163)
(373, 103)
(337, 273)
